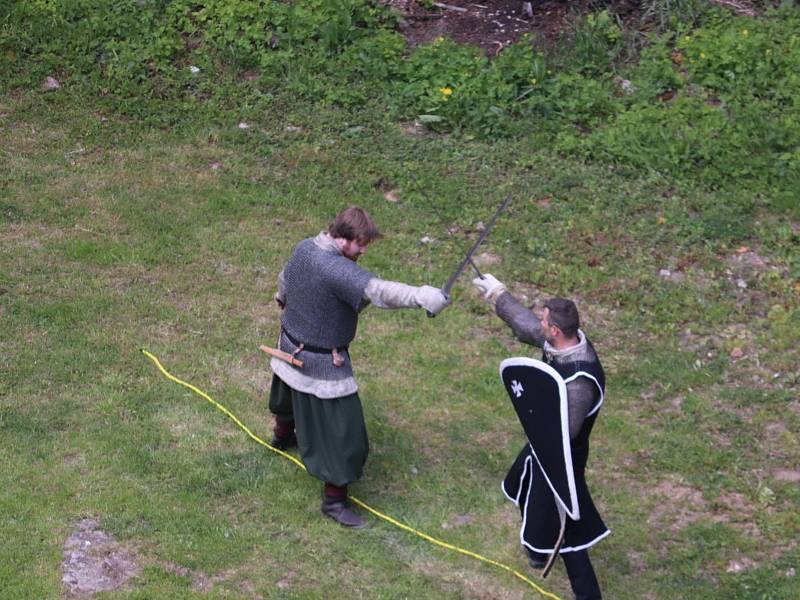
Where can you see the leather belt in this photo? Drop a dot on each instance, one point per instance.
(307, 347)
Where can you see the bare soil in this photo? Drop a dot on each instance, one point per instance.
(494, 24)
(94, 561)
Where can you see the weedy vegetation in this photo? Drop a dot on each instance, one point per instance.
(150, 201)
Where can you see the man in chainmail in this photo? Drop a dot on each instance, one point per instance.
(566, 349)
(321, 291)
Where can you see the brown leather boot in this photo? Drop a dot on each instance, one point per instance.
(283, 442)
(283, 436)
(339, 510)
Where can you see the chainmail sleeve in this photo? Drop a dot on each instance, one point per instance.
(581, 396)
(526, 326)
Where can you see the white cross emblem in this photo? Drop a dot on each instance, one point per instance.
(516, 387)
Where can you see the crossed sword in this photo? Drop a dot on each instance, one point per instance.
(446, 291)
(285, 356)
(468, 258)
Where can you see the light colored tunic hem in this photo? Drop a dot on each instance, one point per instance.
(308, 385)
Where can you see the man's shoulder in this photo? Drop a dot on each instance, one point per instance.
(308, 251)
(304, 245)
(589, 366)
(583, 363)
(330, 269)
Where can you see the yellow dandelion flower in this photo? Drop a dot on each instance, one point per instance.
(446, 92)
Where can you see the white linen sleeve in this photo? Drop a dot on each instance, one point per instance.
(391, 294)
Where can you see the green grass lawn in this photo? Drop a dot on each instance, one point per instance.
(115, 238)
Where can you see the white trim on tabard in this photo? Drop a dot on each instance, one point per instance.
(597, 404)
(524, 361)
(528, 462)
(606, 533)
(519, 489)
(505, 493)
(529, 465)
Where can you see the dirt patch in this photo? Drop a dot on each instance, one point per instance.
(678, 505)
(745, 270)
(413, 128)
(458, 521)
(495, 24)
(777, 440)
(204, 583)
(741, 564)
(95, 562)
(492, 24)
(28, 237)
(74, 460)
(287, 581)
(487, 259)
(785, 475)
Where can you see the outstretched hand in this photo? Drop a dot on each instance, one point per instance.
(489, 285)
(432, 299)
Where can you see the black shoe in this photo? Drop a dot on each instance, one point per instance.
(284, 442)
(536, 562)
(340, 511)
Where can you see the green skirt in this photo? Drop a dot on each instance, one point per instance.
(331, 433)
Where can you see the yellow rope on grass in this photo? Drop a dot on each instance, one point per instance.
(360, 503)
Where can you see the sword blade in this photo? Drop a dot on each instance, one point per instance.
(468, 257)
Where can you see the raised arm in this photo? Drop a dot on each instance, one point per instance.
(524, 323)
(526, 326)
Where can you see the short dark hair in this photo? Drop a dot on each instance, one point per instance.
(564, 315)
(353, 223)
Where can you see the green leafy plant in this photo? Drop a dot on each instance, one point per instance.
(596, 42)
(743, 58)
(717, 102)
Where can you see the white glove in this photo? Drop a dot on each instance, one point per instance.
(489, 285)
(431, 299)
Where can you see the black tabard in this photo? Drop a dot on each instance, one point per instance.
(526, 486)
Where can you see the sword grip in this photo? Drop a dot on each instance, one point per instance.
(447, 297)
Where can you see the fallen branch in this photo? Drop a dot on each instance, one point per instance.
(449, 7)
